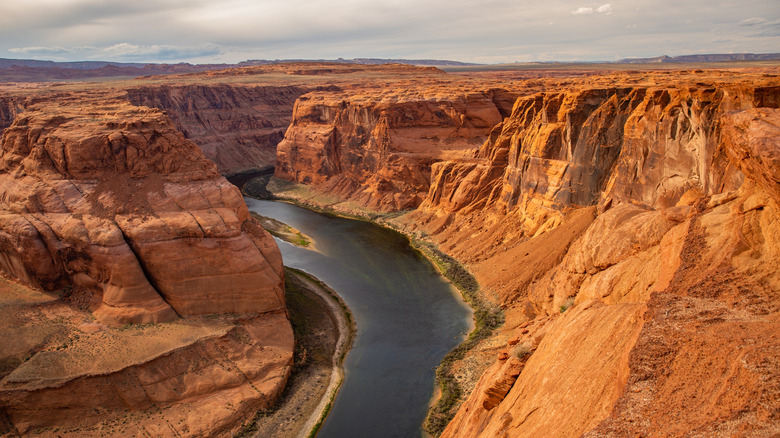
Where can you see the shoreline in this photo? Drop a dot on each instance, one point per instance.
(347, 331)
(318, 372)
(448, 394)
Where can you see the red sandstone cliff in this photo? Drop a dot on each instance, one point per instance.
(653, 319)
(110, 204)
(671, 329)
(627, 225)
(376, 147)
(236, 126)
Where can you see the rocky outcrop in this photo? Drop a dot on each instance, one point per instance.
(116, 201)
(654, 147)
(201, 377)
(107, 208)
(236, 126)
(376, 147)
(561, 149)
(671, 284)
(625, 224)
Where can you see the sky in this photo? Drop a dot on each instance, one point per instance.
(481, 31)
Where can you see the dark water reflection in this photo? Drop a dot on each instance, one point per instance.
(407, 316)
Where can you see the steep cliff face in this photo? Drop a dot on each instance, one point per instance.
(377, 147)
(236, 126)
(626, 225)
(646, 146)
(652, 147)
(119, 219)
(10, 106)
(83, 190)
(652, 318)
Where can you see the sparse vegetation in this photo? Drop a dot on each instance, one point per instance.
(256, 188)
(521, 351)
(312, 355)
(283, 231)
(566, 304)
(487, 318)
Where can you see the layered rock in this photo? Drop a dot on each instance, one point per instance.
(236, 126)
(559, 149)
(671, 284)
(377, 147)
(625, 224)
(119, 219)
(83, 190)
(193, 378)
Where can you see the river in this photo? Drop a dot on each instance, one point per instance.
(408, 317)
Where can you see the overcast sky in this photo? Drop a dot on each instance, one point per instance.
(488, 31)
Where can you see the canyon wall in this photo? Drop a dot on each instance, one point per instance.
(625, 224)
(236, 126)
(656, 322)
(653, 318)
(10, 106)
(108, 208)
(376, 147)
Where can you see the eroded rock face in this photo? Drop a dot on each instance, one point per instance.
(236, 127)
(114, 200)
(376, 148)
(660, 310)
(561, 149)
(625, 224)
(113, 217)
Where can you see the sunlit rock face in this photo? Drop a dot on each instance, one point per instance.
(638, 318)
(115, 200)
(376, 147)
(112, 217)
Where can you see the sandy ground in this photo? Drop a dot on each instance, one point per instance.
(324, 331)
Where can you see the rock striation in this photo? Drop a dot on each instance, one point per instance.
(376, 147)
(652, 147)
(236, 126)
(115, 200)
(672, 283)
(117, 218)
(626, 224)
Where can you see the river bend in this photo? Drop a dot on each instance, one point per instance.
(408, 317)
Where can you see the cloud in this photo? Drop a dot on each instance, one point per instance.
(604, 9)
(126, 52)
(160, 51)
(583, 11)
(234, 30)
(586, 10)
(753, 21)
(761, 27)
(46, 51)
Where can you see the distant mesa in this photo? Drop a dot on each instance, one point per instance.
(716, 57)
(31, 70)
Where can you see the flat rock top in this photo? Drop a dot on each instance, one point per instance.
(65, 343)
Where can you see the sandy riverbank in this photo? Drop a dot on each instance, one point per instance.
(324, 330)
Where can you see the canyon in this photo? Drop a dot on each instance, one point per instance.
(626, 226)
(624, 223)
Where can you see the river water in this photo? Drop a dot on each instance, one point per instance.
(408, 317)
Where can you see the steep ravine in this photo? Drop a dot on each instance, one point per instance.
(626, 224)
(628, 232)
